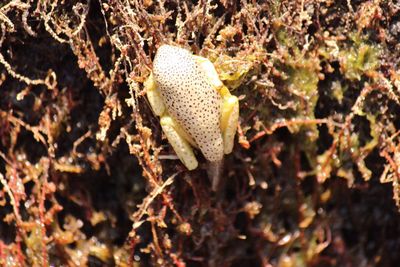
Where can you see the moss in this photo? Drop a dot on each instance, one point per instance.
(338, 91)
(359, 59)
(87, 177)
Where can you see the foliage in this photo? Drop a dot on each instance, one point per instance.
(87, 177)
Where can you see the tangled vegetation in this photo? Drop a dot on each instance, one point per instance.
(88, 179)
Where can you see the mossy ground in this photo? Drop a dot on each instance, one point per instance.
(88, 179)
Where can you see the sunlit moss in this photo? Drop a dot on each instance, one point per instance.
(299, 71)
(302, 81)
(359, 59)
(338, 91)
(34, 243)
(318, 87)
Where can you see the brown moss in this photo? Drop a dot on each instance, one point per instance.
(87, 178)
